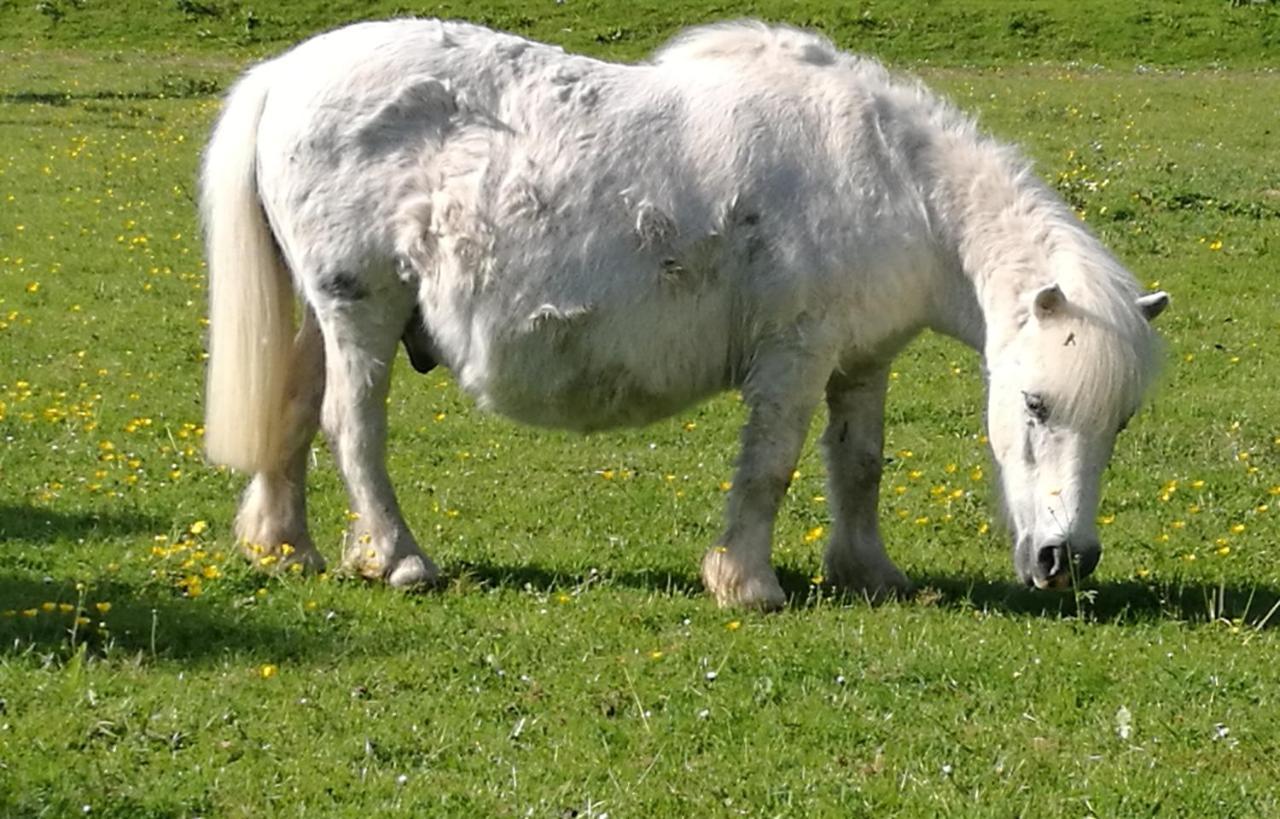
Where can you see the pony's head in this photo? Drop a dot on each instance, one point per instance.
(1062, 385)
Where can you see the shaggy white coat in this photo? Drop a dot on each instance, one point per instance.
(590, 245)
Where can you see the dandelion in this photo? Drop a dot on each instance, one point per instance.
(725, 486)
(733, 625)
(268, 670)
(1106, 520)
(656, 654)
(1237, 529)
(1216, 244)
(102, 607)
(198, 527)
(813, 534)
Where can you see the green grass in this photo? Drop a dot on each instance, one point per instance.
(572, 665)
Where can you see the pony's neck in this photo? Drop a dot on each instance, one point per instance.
(1003, 225)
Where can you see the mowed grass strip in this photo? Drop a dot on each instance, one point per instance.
(572, 663)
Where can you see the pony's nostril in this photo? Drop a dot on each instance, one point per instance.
(1052, 560)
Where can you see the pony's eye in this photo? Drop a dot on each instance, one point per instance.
(1036, 406)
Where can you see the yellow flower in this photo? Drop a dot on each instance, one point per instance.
(656, 654)
(725, 486)
(813, 534)
(102, 607)
(733, 625)
(1106, 520)
(1238, 528)
(268, 670)
(198, 527)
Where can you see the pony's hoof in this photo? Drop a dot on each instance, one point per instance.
(283, 557)
(309, 561)
(876, 585)
(735, 588)
(413, 572)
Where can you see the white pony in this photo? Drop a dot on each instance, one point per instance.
(587, 245)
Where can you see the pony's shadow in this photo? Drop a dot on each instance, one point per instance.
(1116, 601)
(34, 525)
(39, 616)
(1113, 601)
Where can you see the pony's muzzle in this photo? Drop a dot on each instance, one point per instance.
(1059, 565)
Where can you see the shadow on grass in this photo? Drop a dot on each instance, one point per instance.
(1116, 601)
(540, 578)
(36, 525)
(147, 621)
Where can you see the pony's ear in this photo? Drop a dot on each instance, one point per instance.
(1049, 300)
(1153, 304)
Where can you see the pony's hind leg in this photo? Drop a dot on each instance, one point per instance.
(271, 525)
(853, 444)
(781, 392)
(362, 323)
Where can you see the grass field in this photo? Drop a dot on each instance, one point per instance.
(572, 665)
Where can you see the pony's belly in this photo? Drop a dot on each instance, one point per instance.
(589, 380)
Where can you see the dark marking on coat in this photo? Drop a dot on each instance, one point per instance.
(343, 286)
(1071, 340)
(844, 432)
(418, 344)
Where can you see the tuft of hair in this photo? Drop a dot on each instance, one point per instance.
(747, 40)
(250, 295)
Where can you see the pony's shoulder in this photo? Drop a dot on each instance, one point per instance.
(748, 40)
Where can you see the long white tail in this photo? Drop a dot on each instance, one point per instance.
(250, 297)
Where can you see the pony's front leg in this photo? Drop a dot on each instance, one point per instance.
(271, 525)
(781, 392)
(360, 336)
(853, 444)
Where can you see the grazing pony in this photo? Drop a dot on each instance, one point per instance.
(588, 245)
